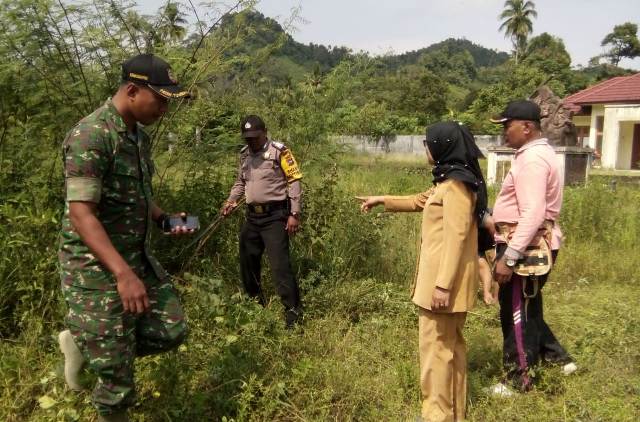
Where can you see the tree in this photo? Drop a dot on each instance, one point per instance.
(421, 94)
(454, 67)
(595, 72)
(516, 22)
(549, 54)
(172, 23)
(60, 60)
(623, 42)
(516, 82)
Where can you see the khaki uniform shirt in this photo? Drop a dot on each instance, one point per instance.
(448, 256)
(106, 166)
(268, 175)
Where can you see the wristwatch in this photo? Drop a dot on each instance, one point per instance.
(510, 262)
(295, 215)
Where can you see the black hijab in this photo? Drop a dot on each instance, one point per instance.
(456, 154)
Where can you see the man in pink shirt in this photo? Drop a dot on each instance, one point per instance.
(531, 195)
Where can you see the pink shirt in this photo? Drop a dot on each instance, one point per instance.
(530, 194)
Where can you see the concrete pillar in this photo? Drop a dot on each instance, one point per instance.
(572, 164)
(610, 137)
(498, 163)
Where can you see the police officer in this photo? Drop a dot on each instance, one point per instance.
(121, 302)
(269, 178)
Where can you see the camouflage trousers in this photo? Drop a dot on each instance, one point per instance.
(110, 339)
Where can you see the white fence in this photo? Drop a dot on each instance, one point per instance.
(403, 144)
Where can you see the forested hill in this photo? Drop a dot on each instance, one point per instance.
(308, 57)
(261, 32)
(482, 57)
(401, 93)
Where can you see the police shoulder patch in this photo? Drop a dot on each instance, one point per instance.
(290, 166)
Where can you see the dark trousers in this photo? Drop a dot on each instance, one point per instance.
(267, 231)
(527, 339)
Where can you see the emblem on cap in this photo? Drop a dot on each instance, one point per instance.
(247, 125)
(138, 76)
(171, 76)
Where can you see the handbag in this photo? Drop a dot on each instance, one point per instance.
(536, 259)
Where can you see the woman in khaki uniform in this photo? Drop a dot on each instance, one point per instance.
(446, 281)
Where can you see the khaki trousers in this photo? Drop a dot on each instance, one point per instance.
(443, 365)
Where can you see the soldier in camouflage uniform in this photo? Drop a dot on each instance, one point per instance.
(121, 302)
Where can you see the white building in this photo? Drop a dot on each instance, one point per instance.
(607, 117)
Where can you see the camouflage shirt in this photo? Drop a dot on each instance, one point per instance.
(105, 165)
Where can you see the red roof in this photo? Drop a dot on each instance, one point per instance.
(621, 89)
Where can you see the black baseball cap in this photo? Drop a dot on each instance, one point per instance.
(251, 126)
(519, 110)
(155, 73)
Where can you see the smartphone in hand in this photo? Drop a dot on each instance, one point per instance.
(190, 221)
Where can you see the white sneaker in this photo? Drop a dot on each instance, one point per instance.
(73, 360)
(569, 368)
(500, 390)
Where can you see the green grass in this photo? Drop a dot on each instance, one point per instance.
(356, 358)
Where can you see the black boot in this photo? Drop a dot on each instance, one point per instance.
(292, 318)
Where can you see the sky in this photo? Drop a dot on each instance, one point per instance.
(396, 26)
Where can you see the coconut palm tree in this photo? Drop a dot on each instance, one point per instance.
(172, 25)
(516, 22)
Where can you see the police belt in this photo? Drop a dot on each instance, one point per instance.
(268, 207)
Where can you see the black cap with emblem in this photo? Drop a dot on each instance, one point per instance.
(252, 126)
(519, 110)
(155, 73)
